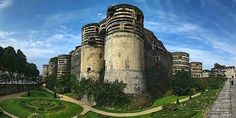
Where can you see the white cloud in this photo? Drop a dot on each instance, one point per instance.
(5, 3)
(208, 58)
(39, 49)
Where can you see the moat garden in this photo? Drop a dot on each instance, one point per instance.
(39, 103)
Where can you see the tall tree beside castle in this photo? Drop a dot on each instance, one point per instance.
(16, 61)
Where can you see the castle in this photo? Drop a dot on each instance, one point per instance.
(120, 48)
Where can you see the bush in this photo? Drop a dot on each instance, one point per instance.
(199, 84)
(34, 115)
(1, 112)
(177, 101)
(56, 108)
(170, 107)
(182, 84)
(41, 109)
(104, 93)
(28, 93)
(26, 106)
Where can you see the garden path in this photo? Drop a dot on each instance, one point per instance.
(233, 99)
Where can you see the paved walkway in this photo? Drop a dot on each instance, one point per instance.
(233, 99)
(222, 106)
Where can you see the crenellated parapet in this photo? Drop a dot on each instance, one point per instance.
(124, 18)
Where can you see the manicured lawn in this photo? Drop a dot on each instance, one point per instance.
(167, 100)
(14, 107)
(39, 93)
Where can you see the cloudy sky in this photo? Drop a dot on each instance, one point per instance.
(206, 29)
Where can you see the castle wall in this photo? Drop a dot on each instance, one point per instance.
(124, 47)
(52, 67)
(76, 62)
(92, 52)
(125, 61)
(158, 65)
(45, 71)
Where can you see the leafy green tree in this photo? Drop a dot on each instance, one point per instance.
(50, 82)
(182, 83)
(66, 83)
(16, 62)
(105, 93)
(218, 66)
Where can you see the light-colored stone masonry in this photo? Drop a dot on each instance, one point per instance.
(222, 106)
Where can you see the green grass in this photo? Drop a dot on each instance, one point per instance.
(39, 93)
(167, 100)
(158, 102)
(5, 116)
(90, 115)
(12, 106)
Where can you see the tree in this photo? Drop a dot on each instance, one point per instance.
(218, 66)
(16, 64)
(50, 82)
(104, 93)
(182, 83)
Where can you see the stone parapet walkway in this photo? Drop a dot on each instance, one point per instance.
(233, 100)
(222, 106)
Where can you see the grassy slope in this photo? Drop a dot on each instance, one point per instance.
(158, 102)
(39, 93)
(195, 108)
(167, 100)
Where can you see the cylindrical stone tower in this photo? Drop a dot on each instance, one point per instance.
(196, 69)
(124, 47)
(63, 65)
(92, 52)
(180, 61)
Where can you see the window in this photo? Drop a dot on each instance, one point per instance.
(100, 55)
(88, 69)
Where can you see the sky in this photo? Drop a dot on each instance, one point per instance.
(42, 29)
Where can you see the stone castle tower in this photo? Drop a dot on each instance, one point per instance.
(124, 47)
(120, 48)
(92, 51)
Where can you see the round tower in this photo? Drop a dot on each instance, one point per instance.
(180, 61)
(92, 52)
(124, 47)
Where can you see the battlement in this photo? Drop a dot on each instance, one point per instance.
(90, 35)
(124, 18)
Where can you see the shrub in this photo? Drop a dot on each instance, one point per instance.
(182, 84)
(170, 107)
(41, 109)
(1, 112)
(34, 115)
(177, 101)
(56, 108)
(28, 93)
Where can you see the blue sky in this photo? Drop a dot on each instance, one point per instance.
(206, 29)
